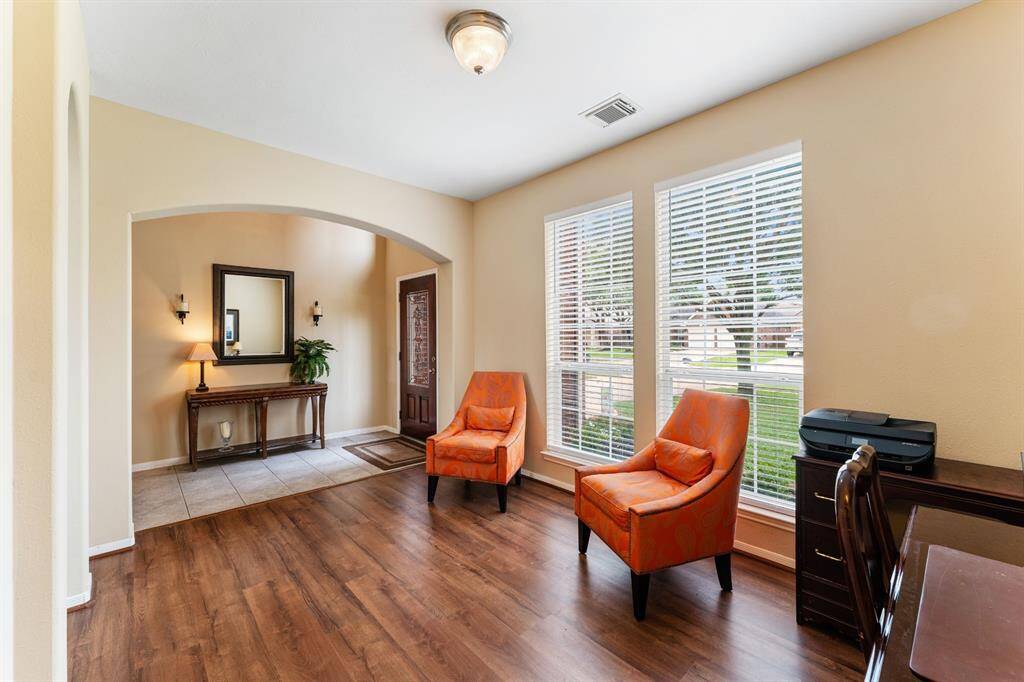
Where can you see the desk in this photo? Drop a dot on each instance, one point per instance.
(821, 596)
(927, 526)
(259, 395)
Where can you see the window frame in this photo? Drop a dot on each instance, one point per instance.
(748, 498)
(553, 449)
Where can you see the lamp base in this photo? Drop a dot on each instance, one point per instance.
(202, 388)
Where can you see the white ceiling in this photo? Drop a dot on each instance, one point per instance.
(374, 86)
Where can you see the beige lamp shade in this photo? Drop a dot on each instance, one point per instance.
(202, 351)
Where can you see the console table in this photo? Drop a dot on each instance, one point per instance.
(821, 592)
(259, 395)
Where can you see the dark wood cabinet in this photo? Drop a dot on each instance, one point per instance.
(822, 596)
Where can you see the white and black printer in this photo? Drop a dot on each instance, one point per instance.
(901, 444)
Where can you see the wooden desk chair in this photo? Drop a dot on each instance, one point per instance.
(868, 546)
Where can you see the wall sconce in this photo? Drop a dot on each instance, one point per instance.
(181, 308)
(318, 312)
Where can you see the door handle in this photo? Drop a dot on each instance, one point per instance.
(824, 498)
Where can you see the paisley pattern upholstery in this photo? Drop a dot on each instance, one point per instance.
(489, 418)
(464, 457)
(469, 446)
(682, 462)
(692, 523)
(614, 494)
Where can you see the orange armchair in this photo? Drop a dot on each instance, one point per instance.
(486, 439)
(671, 504)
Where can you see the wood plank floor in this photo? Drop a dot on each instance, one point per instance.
(366, 581)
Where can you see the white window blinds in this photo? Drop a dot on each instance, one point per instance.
(730, 304)
(589, 295)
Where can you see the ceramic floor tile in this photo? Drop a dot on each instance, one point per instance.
(297, 473)
(360, 438)
(257, 485)
(336, 467)
(157, 499)
(209, 492)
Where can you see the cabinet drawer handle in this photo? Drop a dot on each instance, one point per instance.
(823, 497)
(827, 556)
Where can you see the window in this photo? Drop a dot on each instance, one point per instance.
(730, 303)
(589, 266)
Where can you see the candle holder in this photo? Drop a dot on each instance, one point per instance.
(181, 308)
(225, 427)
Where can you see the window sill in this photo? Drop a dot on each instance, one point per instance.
(574, 460)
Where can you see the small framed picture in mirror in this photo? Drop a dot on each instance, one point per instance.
(231, 326)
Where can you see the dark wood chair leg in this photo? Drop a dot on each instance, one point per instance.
(502, 497)
(519, 478)
(723, 564)
(584, 536)
(431, 487)
(641, 587)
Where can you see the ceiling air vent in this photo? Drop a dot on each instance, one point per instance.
(611, 110)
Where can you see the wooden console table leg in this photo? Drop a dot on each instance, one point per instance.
(314, 407)
(256, 420)
(193, 436)
(322, 401)
(263, 427)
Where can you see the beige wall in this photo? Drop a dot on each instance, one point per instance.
(49, 68)
(342, 267)
(400, 261)
(914, 259)
(148, 166)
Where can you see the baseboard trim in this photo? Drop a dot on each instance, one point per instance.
(159, 464)
(82, 599)
(360, 431)
(765, 555)
(175, 461)
(111, 547)
(561, 485)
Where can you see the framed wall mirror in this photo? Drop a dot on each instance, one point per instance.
(253, 319)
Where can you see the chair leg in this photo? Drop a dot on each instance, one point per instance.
(641, 586)
(502, 497)
(723, 564)
(584, 536)
(519, 478)
(431, 487)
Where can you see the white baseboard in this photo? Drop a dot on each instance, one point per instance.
(74, 600)
(765, 555)
(550, 481)
(113, 546)
(360, 431)
(174, 461)
(159, 464)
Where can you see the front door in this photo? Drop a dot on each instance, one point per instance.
(417, 356)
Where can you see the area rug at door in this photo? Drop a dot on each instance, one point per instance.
(391, 454)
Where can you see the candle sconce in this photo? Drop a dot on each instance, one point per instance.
(181, 308)
(318, 312)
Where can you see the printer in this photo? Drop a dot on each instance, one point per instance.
(901, 444)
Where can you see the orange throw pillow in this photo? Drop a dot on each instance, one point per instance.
(489, 418)
(682, 462)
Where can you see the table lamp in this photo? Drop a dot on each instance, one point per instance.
(202, 352)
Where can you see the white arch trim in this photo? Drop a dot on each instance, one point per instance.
(295, 210)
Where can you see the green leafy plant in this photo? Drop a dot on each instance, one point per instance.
(310, 360)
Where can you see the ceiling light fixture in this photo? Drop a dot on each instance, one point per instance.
(479, 40)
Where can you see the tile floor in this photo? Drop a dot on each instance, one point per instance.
(163, 496)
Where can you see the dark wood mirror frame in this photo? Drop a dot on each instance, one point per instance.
(219, 273)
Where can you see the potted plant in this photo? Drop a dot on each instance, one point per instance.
(310, 360)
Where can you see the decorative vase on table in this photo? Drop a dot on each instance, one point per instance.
(310, 360)
(225, 427)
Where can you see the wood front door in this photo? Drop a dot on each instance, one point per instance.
(417, 356)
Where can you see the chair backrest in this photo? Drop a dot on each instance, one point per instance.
(496, 389)
(866, 540)
(712, 421)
